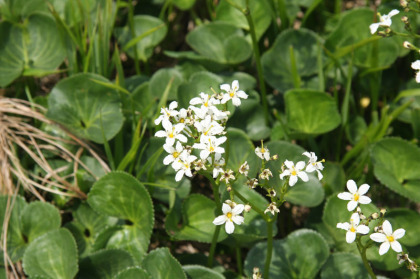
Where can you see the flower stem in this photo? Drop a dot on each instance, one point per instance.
(239, 259)
(362, 251)
(213, 246)
(269, 248)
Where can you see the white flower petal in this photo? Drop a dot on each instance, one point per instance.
(173, 105)
(303, 176)
(238, 219)
(350, 237)
(307, 154)
(236, 101)
(374, 27)
(319, 174)
(364, 200)
(355, 218)
(384, 248)
(179, 175)
(235, 85)
(345, 196)
(378, 237)
(168, 159)
(285, 173)
(386, 226)
(160, 134)
(396, 246)
(399, 233)
(416, 65)
(363, 189)
(242, 94)
(352, 205)
(226, 208)
(229, 227)
(182, 138)
(393, 12)
(300, 165)
(238, 209)
(225, 87)
(363, 229)
(344, 226)
(293, 180)
(351, 186)
(204, 154)
(289, 164)
(220, 220)
(310, 168)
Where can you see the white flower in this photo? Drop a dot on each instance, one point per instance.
(272, 208)
(204, 100)
(233, 93)
(167, 112)
(294, 172)
(183, 165)
(355, 196)
(230, 216)
(313, 164)
(209, 127)
(210, 145)
(384, 20)
(171, 132)
(174, 153)
(252, 183)
(353, 227)
(388, 238)
(219, 163)
(227, 175)
(262, 152)
(208, 107)
(416, 66)
(244, 168)
(266, 174)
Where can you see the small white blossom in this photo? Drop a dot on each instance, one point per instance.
(233, 94)
(227, 175)
(384, 21)
(208, 127)
(355, 196)
(353, 227)
(388, 238)
(219, 163)
(256, 273)
(183, 165)
(230, 216)
(416, 66)
(210, 145)
(294, 172)
(171, 132)
(244, 168)
(313, 164)
(272, 208)
(174, 153)
(263, 152)
(166, 113)
(252, 183)
(266, 174)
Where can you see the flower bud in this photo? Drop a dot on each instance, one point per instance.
(407, 45)
(383, 211)
(404, 19)
(247, 208)
(229, 189)
(403, 3)
(374, 216)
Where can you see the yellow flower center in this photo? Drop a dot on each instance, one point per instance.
(232, 94)
(175, 154)
(293, 172)
(390, 238)
(229, 215)
(352, 229)
(171, 135)
(356, 197)
(182, 120)
(262, 150)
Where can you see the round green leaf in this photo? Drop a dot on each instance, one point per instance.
(396, 165)
(311, 112)
(184, 4)
(52, 255)
(88, 108)
(308, 194)
(220, 42)
(300, 255)
(149, 32)
(344, 266)
(197, 223)
(118, 194)
(165, 79)
(34, 48)
(258, 9)
(408, 220)
(133, 273)
(38, 218)
(160, 264)
(201, 272)
(276, 61)
(105, 264)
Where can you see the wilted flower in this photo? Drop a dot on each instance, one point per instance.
(388, 238)
(230, 216)
(227, 175)
(266, 174)
(244, 168)
(252, 183)
(355, 196)
(272, 208)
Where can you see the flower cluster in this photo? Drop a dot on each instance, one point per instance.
(200, 127)
(383, 234)
(295, 172)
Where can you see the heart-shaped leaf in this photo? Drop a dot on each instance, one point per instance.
(86, 106)
(344, 266)
(105, 264)
(160, 264)
(300, 255)
(118, 194)
(220, 42)
(396, 165)
(311, 112)
(52, 255)
(277, 63)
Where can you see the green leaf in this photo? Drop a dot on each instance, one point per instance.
(149, 32)
(34, 46)
(396, 165)
(52, 255)
(408, 220)
(258, 9)
(87, 108)
(311, 112)
(352, 34)
(184, 4)
(105, 264)
(303, 193)
(277, 64)
(344, 266)
(163, 79)
(197, 224)
(334, 177)
(118, 194)
(38, 218)
(241, 149)
(161, 264)
(220, 42)
(201, 272)
(133, 273)
(300, 255)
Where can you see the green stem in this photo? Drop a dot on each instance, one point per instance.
(213, 246)
(362, 251)
(239, 259)
(269, 248)
(295, 74)
(133, 35)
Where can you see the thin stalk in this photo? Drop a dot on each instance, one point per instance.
(213, 246)
(133, 35)
(239, 259)
(269, 249)
(295, 74)
(362, 251)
